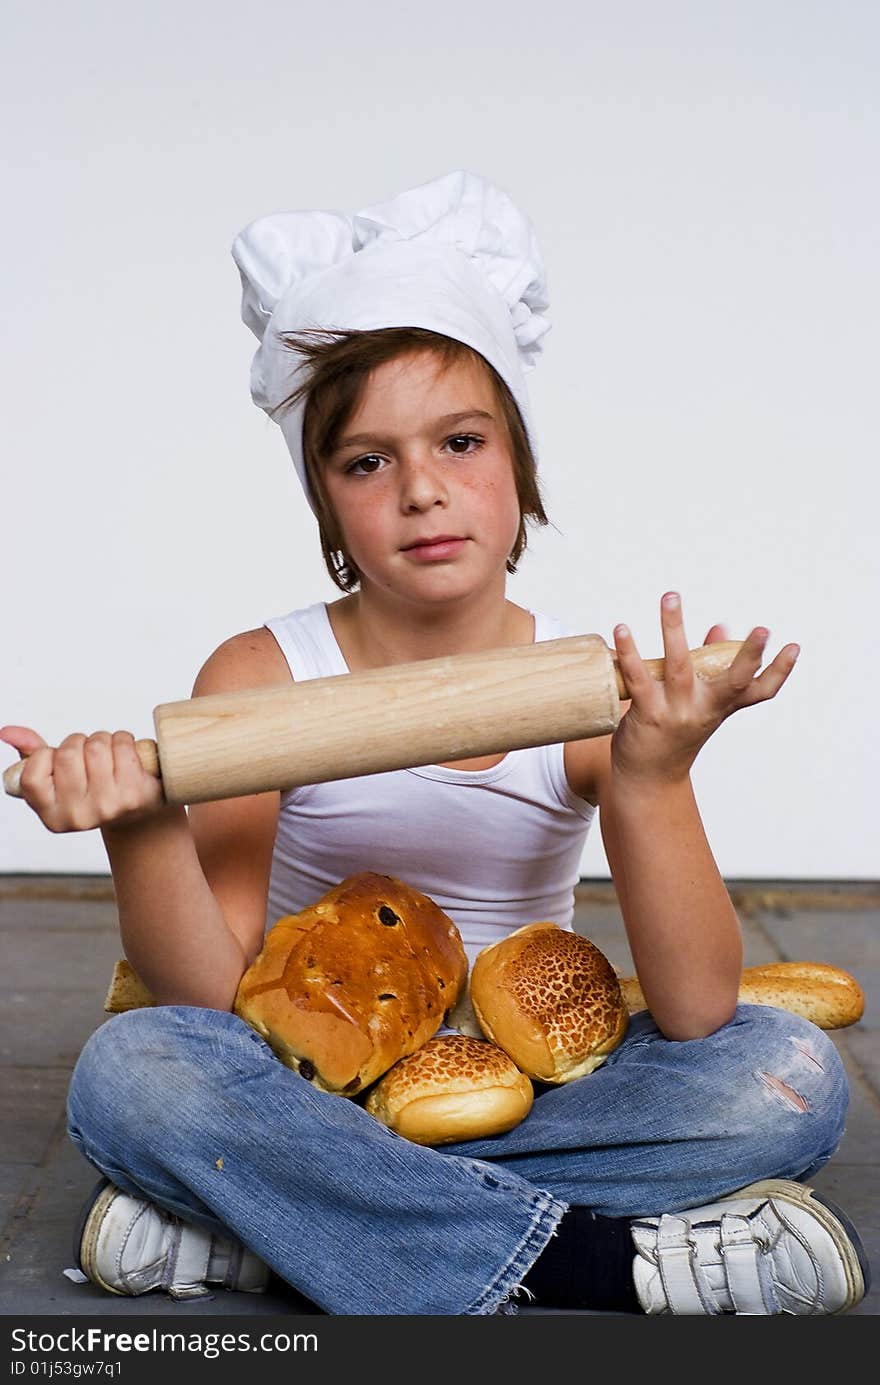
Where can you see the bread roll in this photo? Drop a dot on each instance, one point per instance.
(829, 997)
(453, 1088)
(551, 1000)
(360, 979)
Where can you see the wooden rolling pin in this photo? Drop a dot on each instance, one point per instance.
(456, 707)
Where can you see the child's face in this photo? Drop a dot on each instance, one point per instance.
(418, 474)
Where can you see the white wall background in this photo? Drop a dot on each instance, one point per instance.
(702, 177)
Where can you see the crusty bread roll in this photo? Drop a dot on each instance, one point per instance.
(551, 1000)
(360, 979)
(453, 1088)
(829, 997)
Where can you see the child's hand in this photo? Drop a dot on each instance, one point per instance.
(668, 722)
(88, 781)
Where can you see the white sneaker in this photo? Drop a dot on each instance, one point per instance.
(773, 1247)
(130, 1246)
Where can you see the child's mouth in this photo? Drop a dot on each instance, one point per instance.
(444, 546)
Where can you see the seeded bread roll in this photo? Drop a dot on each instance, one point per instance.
(347, 987)
(826, 995)
(453, 1088)
(551, 1000)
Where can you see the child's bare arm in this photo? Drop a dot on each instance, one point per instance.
(681, 924)
(174, 931)
(191, 888)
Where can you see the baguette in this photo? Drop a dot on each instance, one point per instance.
(827, 996)
(126, 990)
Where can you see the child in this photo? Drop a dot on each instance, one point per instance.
(671, 1180)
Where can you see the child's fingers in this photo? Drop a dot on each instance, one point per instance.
(87, 781)
(767, 685)
(717, 635)
(135, 785)
(21, 738)
(125, 757)
(635, 676)
(100, 769)
(37, 781)
(69, 769)
(678, 668)
(745, 665)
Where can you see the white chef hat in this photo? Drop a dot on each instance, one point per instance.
(453, 255)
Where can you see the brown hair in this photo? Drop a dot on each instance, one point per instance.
(339, 364)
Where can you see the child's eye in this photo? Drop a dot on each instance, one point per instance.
(362, 466)
(465, 437)
(359, 462)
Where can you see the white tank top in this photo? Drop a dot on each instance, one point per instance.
(495, 848)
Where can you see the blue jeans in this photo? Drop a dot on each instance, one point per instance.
(190, 1108)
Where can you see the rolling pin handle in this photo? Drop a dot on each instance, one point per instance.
(708, 660)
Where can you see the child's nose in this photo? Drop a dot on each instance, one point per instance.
(422, 483)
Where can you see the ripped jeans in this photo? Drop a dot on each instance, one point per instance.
(190, 1108)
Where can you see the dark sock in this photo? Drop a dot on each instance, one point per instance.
(586, 1264)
